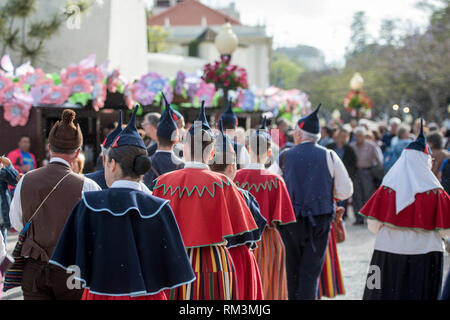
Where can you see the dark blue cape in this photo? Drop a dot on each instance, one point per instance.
(99, 177)
(250, 238)
(125, 242)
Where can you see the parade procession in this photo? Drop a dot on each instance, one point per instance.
(195, 156)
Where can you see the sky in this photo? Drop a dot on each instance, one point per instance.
(324, 24)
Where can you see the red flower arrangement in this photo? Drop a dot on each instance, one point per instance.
(357, 100)
(223, 74)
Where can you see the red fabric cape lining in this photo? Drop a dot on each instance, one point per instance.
(430, 210)
(208, 217)
(271, 194)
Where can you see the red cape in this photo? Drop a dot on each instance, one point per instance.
(207, 206)
(271, 193)
(430, 210)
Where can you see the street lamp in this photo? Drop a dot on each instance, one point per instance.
(395, 107)
(226, 43)
(357, 82)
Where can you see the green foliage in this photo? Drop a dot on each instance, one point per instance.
(285, 72)
(16, 36)
(157, 36)
(410, 70)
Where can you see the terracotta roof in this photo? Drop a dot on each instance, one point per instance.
(190, 13)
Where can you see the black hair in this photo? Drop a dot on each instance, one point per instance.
(207, 142)
(166, 143)
(435, 140)
(259, 145)
(133, 161)
(24, 136)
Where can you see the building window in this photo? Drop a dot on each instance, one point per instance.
(163, 3)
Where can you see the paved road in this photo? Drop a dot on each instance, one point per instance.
(355, 254)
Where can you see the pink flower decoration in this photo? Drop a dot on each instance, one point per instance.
(32, 78)
(16, 112)
(38, 90)
(113, 81)
(206, 92)
(78, 85)
(98, 96)
(9, 91)
(71, 73)
(93, 75)
(55, 95)
(129, 94)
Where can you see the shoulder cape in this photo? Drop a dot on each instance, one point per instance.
(271, 193)
(429, 212)
(124, 242)
(208, 207)
(250, 238)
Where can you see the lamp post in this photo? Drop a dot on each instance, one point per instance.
(226, 43)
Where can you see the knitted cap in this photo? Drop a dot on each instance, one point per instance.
(64, 134)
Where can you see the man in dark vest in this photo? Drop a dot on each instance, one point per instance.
(99, 175)
(314, 176)
(51, 192)
(230, 123)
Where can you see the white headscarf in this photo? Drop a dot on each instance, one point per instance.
(410, 175)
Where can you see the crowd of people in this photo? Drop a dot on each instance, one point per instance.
(195, 212)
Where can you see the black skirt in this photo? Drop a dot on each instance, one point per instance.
(404, 277)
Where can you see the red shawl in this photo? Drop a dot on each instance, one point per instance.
(207, 205)
(271, 193)
(430, 210)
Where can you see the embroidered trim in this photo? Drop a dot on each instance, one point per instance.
(266, 186)
(189, 192)
(131, 294)
(126, 211)
(404, 228)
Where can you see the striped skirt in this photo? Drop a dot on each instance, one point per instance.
(215, 276)
(331, 282)
(271, 258)
(247, 273)
(87, 295)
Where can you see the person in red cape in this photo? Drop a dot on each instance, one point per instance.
(209, 209)
(273, 198)
(409, 213)
(247, 270)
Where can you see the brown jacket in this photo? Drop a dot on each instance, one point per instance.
(49, 222)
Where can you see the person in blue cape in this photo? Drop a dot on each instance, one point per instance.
(164, 159)
(125, 243)
(230, 123)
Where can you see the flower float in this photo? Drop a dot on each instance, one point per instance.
(17, 110)
(223, 74)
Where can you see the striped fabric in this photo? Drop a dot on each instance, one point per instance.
(13, 277)
(87, 295)
(271, 258)
(331, 282)
(215, 276)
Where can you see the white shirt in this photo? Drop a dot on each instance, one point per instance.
(404, 241)
(15, 210)
(130, 185)
(244, 157)
(2, 248)
(195, 165)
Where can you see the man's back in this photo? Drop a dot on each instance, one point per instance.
(308, 180)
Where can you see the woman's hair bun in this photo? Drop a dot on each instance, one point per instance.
(142, 164)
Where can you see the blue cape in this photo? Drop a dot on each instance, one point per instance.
(125, 243)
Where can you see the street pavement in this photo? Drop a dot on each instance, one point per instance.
(354, 255)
